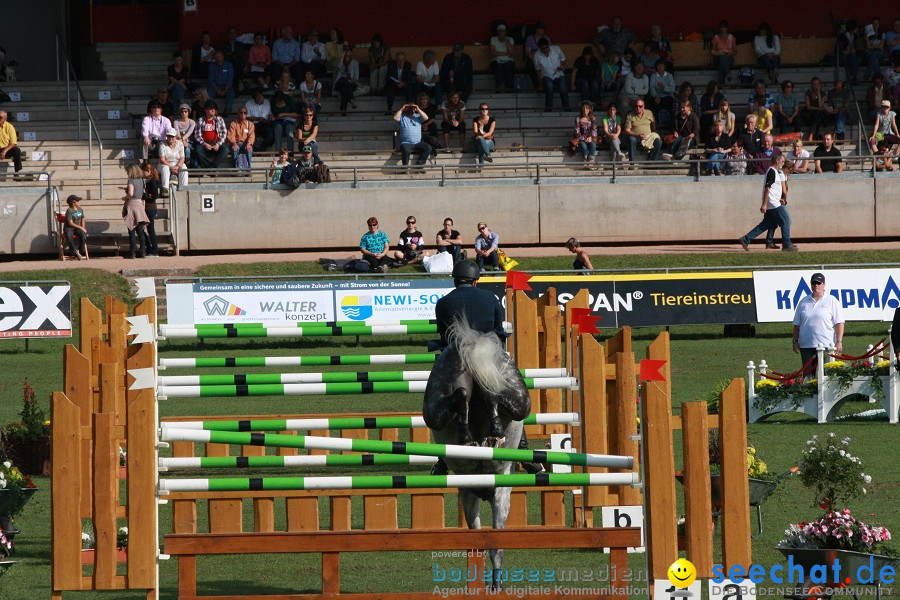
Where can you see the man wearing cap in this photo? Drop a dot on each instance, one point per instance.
(209, 138)
(457, 72)
(885, 127)
(241, 136)
(818, 321)
(8, 142)
(306, 165)
(153, 129)
(550, 63)
(171, 160)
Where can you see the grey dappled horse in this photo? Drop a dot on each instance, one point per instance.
(476, 395)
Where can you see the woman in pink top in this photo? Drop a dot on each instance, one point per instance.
(722, 50)
(259, 60)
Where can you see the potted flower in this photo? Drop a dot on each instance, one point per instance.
(27, 442)
(15, 491)
(772, 395)
(89, 543)
(836, 477)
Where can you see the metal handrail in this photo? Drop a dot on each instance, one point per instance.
(92, 126)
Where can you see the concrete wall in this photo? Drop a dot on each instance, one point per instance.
(23, 222)
(887, 197)
(29, 36)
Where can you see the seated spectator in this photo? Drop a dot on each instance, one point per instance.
(767, 47)
(787, 108)
(259, 61)
(209, 139)
(612, 131)
(727, 117)
(285, 55)
(586, 132)
(179, 75)
(759, 89)
(311, 92)
(200, 99)
(885, 129)
(184, 127)
(837, 105)
(892, 40)
(662, 47)
(308, 130)
(172, 160)
(828, 158)
(203, 56)
(766, 152)
(284, 120)
(400, 81)
(586, 76)
(286, 85)
(241, 136)
(718, 145)
(550, 63)
(220, 84)
(410, 244)
(334, 49)
(874, 47)
(662, 89)
(236, 55)
(751, 137)
(379, 57)
(454, 112)
(640, 127)
(687, 128)
(375, 246)
(428, 77)
(884, 162)
(162, 98)
(686, 92)
(429, 112)
(798, 158)
(875, 95)
(259, 112)
(764, 119)
(851, 44)
(582, 261)
(892, 79)
(153, 129)
(531, 49)
(312, 56)
(457, 72)
(9, 142)
(449, 240)
(721, 49)
(636, 87)
(627, 64)
(306, 165)
(615, 38)
(709, 106)
(411, 118)
(483, 127)
(502, 61)
(278, 165)
(610, 71)
(736, 163)
(649, 58)
(814, 108)
(346, 80)
(486, 245)
(75, 227)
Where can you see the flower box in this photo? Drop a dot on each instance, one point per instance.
(88, 556)
(11, 502)
(849, 560)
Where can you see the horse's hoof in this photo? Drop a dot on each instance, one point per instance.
(493, 442)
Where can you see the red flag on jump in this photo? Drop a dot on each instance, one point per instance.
(650, 370)
(586, 322)
(518, 280)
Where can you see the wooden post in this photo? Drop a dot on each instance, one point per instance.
(106, 481)
(77, 388)
(66, 489)
(527, 348)
(551, 357)
(625, 424)
(593, 414)
(736, 549)
(90, 325)
(697, 500)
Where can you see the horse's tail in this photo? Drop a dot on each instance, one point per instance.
(481, 355)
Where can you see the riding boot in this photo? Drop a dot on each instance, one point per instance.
(530, 467)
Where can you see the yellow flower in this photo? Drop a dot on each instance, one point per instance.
(811, 381)
(882, 364)
(764, 383)
(835, 364)
(47, 423)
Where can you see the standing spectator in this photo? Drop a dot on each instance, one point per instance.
(767, 151)
(875, 95)
(751, 136)
(241, 136)
(736, 163)
(828, 158)
(759, 89)
(457, 72)
(184, 127)
(718, 144)
(874, 47)
(399, 81)
(662, 89)
(202, 56)
(311, 92)
(721, 49)
(153, 189)
(375, 246)
(236, 55)
(787, 108)
(486, 245)
(410, 244)
(837, 105)
(662, 47)
(379, 57)
(428, 77)
(818, 321)
(774, 198)
(531, 49)
(454, 112)
(179, 75)
(221, 81)
(502, 61)
(586, 76)
(172, 160)
(284, 120)
(259, 112)
(550, 63)
(849, 44)
(586, 132)
(615, 38)
(75, 226)
(767, 46)
(153, 129)
(312, 55)
(885, 128)
(797, 159)
(259, 61)
(334, 49)
(410, 118)
(582, 261)
(347, 79)
(636, 87)
(285, 54)
(640, 127)
(449, 240)
(209, 138)
(727, 117)
(709, 106)
(814, 108)
(612, 131)
(9, 142)
(687, 128)
(308, 130)
(133, 212)
(765, 121)
(483, 127)
(162, 98)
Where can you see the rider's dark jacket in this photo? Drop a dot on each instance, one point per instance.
(479, 308)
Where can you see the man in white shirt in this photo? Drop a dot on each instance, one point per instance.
(153, 129)
(259, 112)
(428, 77)
(312, 54)
(818, 321)
(774, 199)
(550, 63)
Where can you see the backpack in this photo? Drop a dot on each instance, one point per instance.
(289, 176)
(358, 266)
(241, 161)
(323, 173)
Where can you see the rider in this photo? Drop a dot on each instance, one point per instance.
(482, 311)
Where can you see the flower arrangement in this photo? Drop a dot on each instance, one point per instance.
(89, 542)
(770, 393)
(845, 375)
(838, 530)
(34, 425)
(6, 546)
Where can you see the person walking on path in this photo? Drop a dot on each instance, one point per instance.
(818, 321)
(774, 200)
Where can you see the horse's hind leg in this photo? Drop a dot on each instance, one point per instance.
(460, 403)
(500, 506)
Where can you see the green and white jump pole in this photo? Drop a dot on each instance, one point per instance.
(296, 361)
(259, 462)
(386, 447)
(331, 389)
(298, 324)
(370, 482)
(309, 330)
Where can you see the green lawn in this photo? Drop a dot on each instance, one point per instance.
(701, 359)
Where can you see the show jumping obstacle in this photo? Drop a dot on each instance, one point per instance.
(296, 361)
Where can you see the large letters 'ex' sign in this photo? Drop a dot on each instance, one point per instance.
(35, 311)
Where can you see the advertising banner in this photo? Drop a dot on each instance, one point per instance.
(35, 311)
(389, 300)
(263, 302)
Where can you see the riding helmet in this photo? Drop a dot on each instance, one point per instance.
(466, 269)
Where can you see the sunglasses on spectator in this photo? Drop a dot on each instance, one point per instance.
(482, 228)
(484, 108)
(639, 106)
(242, 112)
(410, 222)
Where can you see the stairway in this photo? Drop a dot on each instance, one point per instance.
(136, 61)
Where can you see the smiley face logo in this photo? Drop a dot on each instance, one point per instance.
(682, 573)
